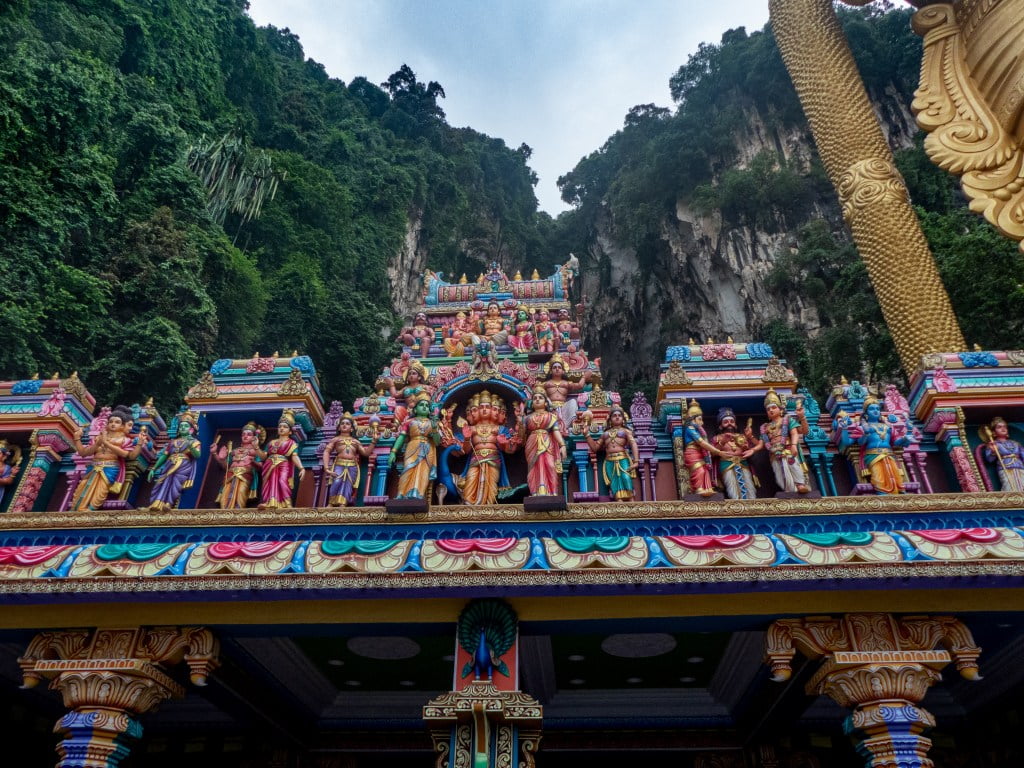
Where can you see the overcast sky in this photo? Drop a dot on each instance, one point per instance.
(559, 75)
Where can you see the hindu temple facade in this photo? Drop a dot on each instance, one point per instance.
(490, 559)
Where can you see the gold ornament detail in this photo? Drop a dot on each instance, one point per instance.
(859, 162)
(206, 388)
(294, 386)
(776, 372)
(969, 101)
(675, 375)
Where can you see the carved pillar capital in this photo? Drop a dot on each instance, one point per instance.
(881, 666)
(107, 677)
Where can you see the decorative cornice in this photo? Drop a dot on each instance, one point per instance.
(514, 513)
(741, 577)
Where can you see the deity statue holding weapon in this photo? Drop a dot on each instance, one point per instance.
(544, 445)
(341, 462)
(781, 437)
(877, 438)
(1006, 454)
(483, 438)
(241, 465)
(558, 389)
(418, 437)
(733, 468)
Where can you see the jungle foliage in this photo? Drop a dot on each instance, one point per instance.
(178, 185)
(691, 153)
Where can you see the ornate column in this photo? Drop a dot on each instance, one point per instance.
(486, 722)
(108, 677)
(46, 449)
(951, 433)
(881, 667)
(859, 162)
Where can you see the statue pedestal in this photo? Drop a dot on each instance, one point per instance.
(797, 495)
(116, 504)
(702, 497)
(405, 506)
(544, 503)
(582, 497)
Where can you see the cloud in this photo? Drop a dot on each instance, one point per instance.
(559, 75)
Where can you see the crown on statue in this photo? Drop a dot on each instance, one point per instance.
(870, 400)
(287, 417)
(486, 398)
(772, 398)
(191, 417)
(694, 409)
(555, 358)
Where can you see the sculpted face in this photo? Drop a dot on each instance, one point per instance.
(521, 315)
(540, 401)
(421, 319)
(115, 424)
(422, 408)
(248, 436)
(773, 411)
(493, 310)
(728, 424)
(284, 429)
(185, 428)
(873, 412)
(544, 315)
(413, 376)
(557, 369)
(1001, 430)
(617, 419)
(345, 427)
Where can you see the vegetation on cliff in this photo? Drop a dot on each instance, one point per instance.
(139, 140)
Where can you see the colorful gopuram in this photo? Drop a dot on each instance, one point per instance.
(491, 560)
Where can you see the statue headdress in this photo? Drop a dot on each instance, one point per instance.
(260, 432)
(870, 400)
(9, 449)
(998, 420)
(725, 412)
(417, 366)
(555, 358)
(191, 417)
(772, 398)
(694, 409)
(287, 417)
(346, 416)
(485, 398)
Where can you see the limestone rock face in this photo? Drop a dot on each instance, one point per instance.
(406, 268)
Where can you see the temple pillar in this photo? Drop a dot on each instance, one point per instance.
(486, 721)
(108, 678)
(880, 666)
(46, 449)
(952, 435)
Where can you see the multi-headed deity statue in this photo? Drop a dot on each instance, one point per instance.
(736, 448)
(493, 326)
(1006, 454)
(877, 438)
(341, 462)
(420, 336)
(175, 468)
(621, 455)
(110, 450)
(697, 452)
(560, 390)
(280, 460)
(414, 389)
(541, 433)
(10, 461)
(522, 338)
(483, 438)
(545, 331)
(419, 437)
(241, 479)
(781, 437)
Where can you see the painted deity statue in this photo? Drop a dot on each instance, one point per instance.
(420, 336)
(566, 328)
(1006, 454)
(457, 335)
(8, 471)
(545, 447)
(483, 437)
(545, 331)
(877, 438)
(175, 468)
(280, 460)
(733, 468)
(697, 452)
(241, 465)
(341, 462)
(414, 389)
(522, 338)
(781, 437)
(109, 451)
(493, 326)
(418, 437)
(621, 455)
(560, 390)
